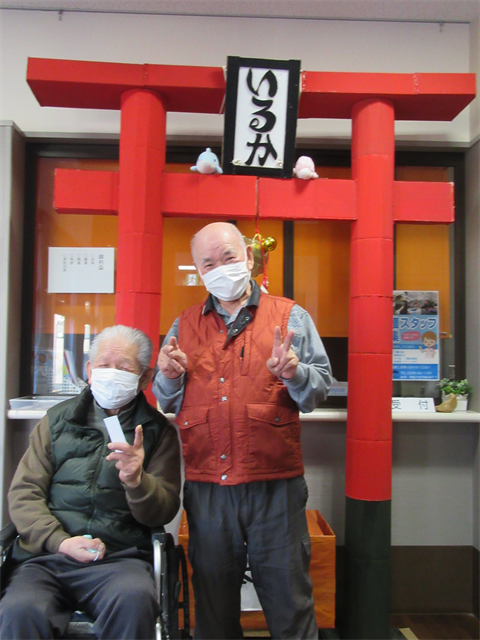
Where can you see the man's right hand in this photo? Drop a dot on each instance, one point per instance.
(172, 362)
(77, 548)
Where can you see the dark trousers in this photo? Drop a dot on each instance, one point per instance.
(267, 522)
(43, 593)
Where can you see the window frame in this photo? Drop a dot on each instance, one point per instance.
(454, 159)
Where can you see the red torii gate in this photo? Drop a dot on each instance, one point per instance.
(142, 193)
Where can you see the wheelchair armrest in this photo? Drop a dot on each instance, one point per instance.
(7, 538)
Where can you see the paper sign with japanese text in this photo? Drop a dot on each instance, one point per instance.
(261, 105)
(81, 270)
(415, 335)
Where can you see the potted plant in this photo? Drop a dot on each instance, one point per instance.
(461, 389)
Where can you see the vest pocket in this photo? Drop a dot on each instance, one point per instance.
(273, 438)
(197, 445)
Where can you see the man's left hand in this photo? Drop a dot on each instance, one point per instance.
(129, 458)
(283, 362)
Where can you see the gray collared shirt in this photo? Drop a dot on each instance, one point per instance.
(310, 384)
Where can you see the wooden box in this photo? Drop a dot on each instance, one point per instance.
(322, 572)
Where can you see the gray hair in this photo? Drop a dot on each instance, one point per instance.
(132, 336)
(234, 229)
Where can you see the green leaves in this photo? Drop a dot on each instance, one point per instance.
(458, 387)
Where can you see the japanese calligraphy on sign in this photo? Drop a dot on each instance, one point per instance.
(413, 405)
(81, 270)
(415, 335)
(260, 116)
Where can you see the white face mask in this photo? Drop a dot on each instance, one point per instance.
(113, 388)
(228, 281)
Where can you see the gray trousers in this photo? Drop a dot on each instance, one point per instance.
(43, 593)
(267, 522)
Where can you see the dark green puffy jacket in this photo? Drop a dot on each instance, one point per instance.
(86, 494)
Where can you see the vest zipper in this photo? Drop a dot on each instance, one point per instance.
(93, 484)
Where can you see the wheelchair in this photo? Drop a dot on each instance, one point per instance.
(169, 563)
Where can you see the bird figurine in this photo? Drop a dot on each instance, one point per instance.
(207, 162)
(448, 405)
(305, 168)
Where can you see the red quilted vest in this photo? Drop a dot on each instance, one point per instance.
(237, 421)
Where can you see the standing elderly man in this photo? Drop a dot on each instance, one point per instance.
(73, 482)
(236, 370)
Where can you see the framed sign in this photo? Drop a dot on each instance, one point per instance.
(261, 106)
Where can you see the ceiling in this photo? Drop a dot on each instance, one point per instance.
(386, 10)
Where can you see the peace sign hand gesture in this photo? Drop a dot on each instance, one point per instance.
(283, 362)
(129, 458)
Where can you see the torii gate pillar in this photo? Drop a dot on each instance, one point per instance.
(140, 220)
(369, 429)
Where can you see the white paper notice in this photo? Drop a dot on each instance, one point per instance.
(81, 270)
(114, 429)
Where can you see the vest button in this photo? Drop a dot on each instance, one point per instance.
(224, 398)
(221, 330)
(277, 419)
(224, 477)
(185, 423)
(223, 456)
(222, 379)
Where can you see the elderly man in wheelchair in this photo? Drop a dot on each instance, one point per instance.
(83, 506)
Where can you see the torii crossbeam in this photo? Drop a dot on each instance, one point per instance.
(141, 193)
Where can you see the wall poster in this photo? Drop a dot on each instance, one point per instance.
(415, 335)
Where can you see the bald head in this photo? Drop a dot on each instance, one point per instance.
(216, 244)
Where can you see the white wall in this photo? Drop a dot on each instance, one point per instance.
(474, 38)
(432, 480)
(320, 45)
(472, 262)
(11, 245)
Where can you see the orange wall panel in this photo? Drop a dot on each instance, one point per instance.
(322, 274)
(423, 251)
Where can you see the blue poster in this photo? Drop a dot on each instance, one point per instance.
(415, 335)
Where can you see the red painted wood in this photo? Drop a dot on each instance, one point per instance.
(374, 196)
(86, 192)
(96, 192)
(415, 96)
(198, 195)
(366, 278)
(139, 309)
(100, 85)
(306, 199)
(142, 160)
(423, 202)
(372, 315)
(368, 468)
(139, 277)
(370, 421)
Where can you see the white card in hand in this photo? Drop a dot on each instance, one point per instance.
(114, 429)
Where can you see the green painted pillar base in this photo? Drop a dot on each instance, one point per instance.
(366, 610)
